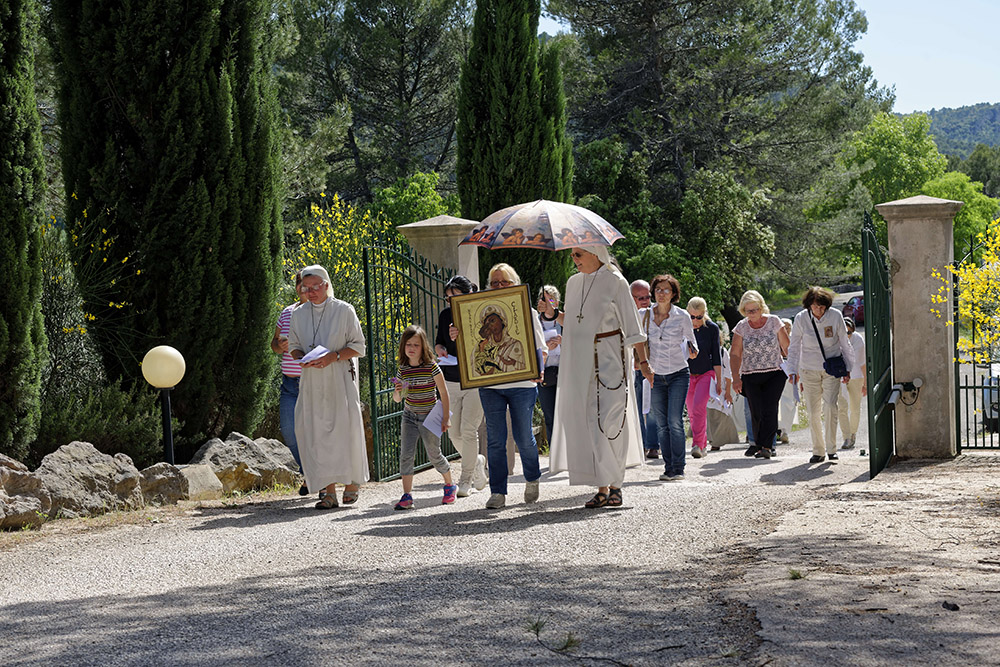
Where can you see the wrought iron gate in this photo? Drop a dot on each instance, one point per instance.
(878, 341)
(401, 288)
(977, 378)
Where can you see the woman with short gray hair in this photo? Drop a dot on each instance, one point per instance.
(818, 335)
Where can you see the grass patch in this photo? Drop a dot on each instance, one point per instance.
(795, 574)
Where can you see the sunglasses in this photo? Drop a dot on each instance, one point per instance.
(697, 317)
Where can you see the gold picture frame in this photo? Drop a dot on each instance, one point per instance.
(496, 337)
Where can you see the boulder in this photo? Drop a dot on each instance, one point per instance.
(242, 464)
(13, 464)
(202, 482)
(84, 482)
(23, 499)
(163, 484)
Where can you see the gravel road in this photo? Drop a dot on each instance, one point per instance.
(280, 583)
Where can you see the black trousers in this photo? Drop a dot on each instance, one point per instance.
(763, 393)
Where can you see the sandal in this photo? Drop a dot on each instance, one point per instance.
(350, 497)
(599, 500)
(327, 502)
(614, 497)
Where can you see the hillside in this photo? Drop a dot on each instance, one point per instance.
(957, 131)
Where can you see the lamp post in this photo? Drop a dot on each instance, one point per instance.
(163, 367)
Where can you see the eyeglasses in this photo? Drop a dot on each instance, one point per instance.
(664, 290)
(751, 311)
(697, 317)
(500, 283)
(576, 254)
(314, 288)
(641, 298)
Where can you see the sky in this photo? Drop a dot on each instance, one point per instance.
(936, 53)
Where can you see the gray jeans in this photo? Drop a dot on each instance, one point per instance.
(411, 429)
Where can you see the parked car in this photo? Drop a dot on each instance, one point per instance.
(855, 309)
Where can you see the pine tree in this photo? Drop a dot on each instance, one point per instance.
(507, 147)
(22, 336)
(171, 170)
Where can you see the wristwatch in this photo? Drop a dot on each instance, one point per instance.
(338, 355)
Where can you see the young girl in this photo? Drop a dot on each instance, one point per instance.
(419, 376)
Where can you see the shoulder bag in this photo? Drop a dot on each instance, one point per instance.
(835, 366)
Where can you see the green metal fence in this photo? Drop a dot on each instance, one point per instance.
(977, 383)
(401, 288)
(878, 341)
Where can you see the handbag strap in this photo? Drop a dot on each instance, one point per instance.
(818, 340)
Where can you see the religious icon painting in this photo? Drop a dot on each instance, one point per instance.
(496, 340)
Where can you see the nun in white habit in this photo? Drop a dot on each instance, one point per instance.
(596, 426)
(328, 422)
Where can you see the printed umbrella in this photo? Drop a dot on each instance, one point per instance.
(545, 225)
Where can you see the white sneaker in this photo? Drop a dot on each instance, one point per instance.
(479, 478)
(464, 490)
(496, 501)
(531, 492)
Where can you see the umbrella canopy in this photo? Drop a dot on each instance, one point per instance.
(545, 225)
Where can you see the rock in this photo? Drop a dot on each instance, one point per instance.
(13, 464)
(242, 464)
(163, 484)
(23, 498)
(84, 482)
(202, 482)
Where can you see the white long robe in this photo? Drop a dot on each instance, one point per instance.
(578, 443)
(328, 423)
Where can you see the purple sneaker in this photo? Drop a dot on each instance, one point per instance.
(449, 494)
(405, 503)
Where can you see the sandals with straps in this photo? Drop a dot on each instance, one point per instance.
(614, 497)
(599, 500)
(350, 497)
(327, 502)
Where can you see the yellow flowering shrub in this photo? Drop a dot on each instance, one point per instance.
(978, 279)
(334, 236)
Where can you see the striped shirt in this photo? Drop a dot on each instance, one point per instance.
(290, 367)
(420, 394)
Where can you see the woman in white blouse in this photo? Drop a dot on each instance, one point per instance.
(759, 343)
(671, 340)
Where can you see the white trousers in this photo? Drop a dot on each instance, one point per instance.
(850, 408)
(819, 391)
(466, 416)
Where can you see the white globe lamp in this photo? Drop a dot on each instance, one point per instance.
(163, 367)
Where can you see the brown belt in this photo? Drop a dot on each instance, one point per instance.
(607, 334)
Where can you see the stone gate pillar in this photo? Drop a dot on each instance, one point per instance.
(921, 233)
(437, 239)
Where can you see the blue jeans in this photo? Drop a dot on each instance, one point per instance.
(521, 402)
(286, 414)
(668, 396)
(647, 425)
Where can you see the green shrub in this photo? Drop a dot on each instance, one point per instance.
(111, 418)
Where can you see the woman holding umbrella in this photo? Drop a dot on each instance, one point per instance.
(600, 326)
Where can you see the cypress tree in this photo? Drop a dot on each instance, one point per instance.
(171, 170)
(22, 335)
(507, 149)
(554, 111)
